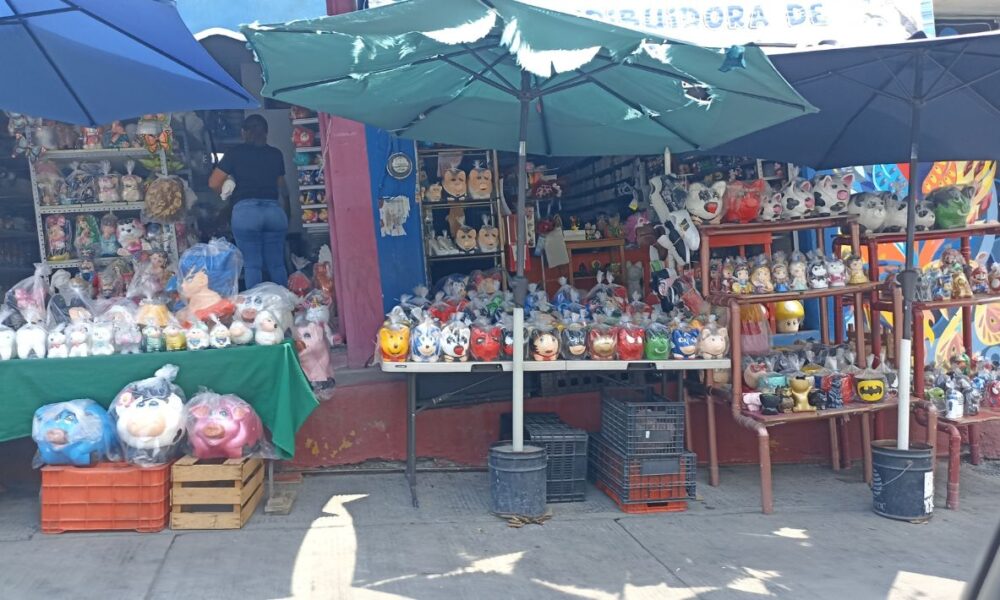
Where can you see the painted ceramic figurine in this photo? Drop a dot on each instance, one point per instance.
(102, 341)
(152, 339)
(485, 341)
(832, 194)
(742, 200)
(818, 278)
(994, 278)
(208, 274)
(196, 336)
(173, 338)
(836, 272)
(713, 341)
(78, 432)
(870, 209)
(394, 340)
(960, 287)
(856, 270)
(979, 280)
(684, 342)
(760, 278)
(455, 337)
(782, 281)
(796, 198)
(425, 341)
(544, 344)
(657, 341)
(149, 416)
(741, 279)
(952, 205)
(573, 345)
(704, 203)
(602, 342)
(56, 343)
(222, 426)
(799, 387)
(267, 331)
(797, 272)
(631, 341)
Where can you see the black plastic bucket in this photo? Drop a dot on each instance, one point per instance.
(902, 481)
(517, 480)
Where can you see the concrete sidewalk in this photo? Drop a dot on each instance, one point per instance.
(356, 536)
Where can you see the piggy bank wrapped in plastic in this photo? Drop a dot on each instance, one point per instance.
(223, 426)
(78, 432)
(149, 417)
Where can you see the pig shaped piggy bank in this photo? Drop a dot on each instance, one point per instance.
(870, 208)
(222, 426)
(832, 194)
(796, 199)
(704, 203)
(149, 417)
(78, 432)
(312, 340)
(743, 200)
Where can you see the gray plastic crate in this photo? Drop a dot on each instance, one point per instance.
(640, 423)
(566, 449)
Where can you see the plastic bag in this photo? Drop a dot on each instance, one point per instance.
(77, 432)
(276, 299)
(313, 341)
(80, 186)
(196, 335)
(165, 200)
(8, 336)
(631, 339)
(573, 338)
(108, 184)
(485, 340)
(28, 296)
(225, 426)
(132, 187)
(58, 233)
(298, 282)
(543, 339)
(71, 304)
(208, 275)
(602, 340)
(149, 416)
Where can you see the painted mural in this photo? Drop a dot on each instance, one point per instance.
(943, 328)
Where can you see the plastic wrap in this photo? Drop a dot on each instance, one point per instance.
(425, 338)
(8, 336)
(58, 233)
(78, 339)
(631, 339)
(313, 340)
(77, 432)
(602, 340)
(71, 304)
(276, 299)
(298, 282)
(485, 341)
(573, 339)
(108, 184)
(543, 339)
(218, 335)
(149, 417)
(225, 426)
(657, 344)
(165, 200)
(174, 336)
(80, 186)
(102, 338)
(130, 238)
(455, 337)
(209, 276)
(196, 335)
(132, 187)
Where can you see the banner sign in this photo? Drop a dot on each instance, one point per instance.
(721, 23)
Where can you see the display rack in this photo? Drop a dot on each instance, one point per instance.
(118, 158)
(436, 216)
(310, 181)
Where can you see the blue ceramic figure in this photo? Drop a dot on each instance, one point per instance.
(78, 432)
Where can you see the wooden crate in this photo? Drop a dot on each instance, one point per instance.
(215, 493)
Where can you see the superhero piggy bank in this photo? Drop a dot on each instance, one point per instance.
(951, 205)
(78, 432)
(485, 342)
(685, 342)
(743, 200)
(222, 426)
(149, 417)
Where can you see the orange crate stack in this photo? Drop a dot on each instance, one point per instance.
(643, 484)
(108, 496)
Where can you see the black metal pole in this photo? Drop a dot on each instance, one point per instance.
(522, 162)
(908, 278)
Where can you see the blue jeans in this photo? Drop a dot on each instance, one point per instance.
(259, 227)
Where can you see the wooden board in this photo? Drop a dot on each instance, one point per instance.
(215, 495)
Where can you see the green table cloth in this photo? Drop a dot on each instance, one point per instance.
(268, 377)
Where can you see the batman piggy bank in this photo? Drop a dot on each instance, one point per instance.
(222, 426)
(78, 432)
(149, 417)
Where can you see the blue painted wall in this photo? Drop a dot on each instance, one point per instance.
(401, 258)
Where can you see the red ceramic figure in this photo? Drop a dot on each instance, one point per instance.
(743, 200)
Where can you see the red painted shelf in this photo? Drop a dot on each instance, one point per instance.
(776, 226)
(723, 299)
(985, 416)
(855, 408)
(973, 230)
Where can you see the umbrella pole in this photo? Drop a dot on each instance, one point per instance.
(520, 284)
(908, 278)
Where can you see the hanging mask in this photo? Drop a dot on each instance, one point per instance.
(480, 182)
(454, 184)
(489, 237)
(466, 239)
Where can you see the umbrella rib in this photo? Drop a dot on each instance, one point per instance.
(174, 59)
(546, 139)
(892, 73)
(18, 18)
(874, 89)
(302, 86)
(574, 82)
(853, 118)
(58, 71)
(641, 110)
(480, 75)
(945, 70)
(825, 74)
(488, 66)
(993, 107)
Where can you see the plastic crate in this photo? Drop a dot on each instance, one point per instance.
(107, 496)
(638, 422)
(658, 484)
(566, 449)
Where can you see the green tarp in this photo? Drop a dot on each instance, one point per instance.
(268, 377)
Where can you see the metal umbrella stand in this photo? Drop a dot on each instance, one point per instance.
(462, 71)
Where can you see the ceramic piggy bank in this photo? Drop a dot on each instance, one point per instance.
(313, 344)
(394, 341)
(485, 342)
(425, 342)
(772, 207)
(149, 417)
(713, 342)
(832, 194)
(870, 208)
(78, 432)
(895, 214)
(952, 205)
(222, 426)
(704, 203)
(742, 200)
(455, 341)
(685, 342)
(925, 216)
(796, 198)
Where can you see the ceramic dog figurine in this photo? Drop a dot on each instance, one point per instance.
(832, 194)
(704, 203)
(78, 432)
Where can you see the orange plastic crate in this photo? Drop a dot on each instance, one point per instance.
(642, 507)
(108, 496)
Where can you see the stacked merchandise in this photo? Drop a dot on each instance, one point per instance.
(566, 450)
(639, 459)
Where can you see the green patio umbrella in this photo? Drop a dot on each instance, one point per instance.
(507, 75)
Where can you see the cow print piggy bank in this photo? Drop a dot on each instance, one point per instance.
(78, 432)
(149, 417)
(796, 199)
(222, 426)
(870, 209)
(704, 203)
(832, 194)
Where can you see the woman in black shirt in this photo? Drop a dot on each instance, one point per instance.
(259, 220)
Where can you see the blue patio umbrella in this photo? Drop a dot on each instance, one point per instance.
(90, 62)
(921, 100)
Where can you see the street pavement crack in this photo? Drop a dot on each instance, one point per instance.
(654, 557)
